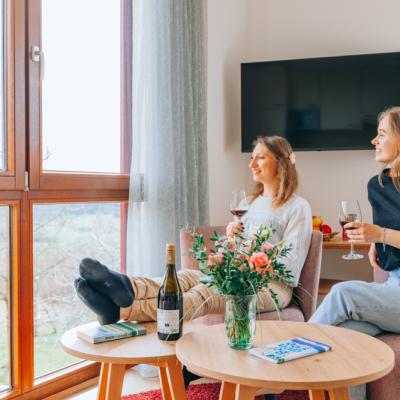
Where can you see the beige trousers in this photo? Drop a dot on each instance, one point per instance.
(198, 299)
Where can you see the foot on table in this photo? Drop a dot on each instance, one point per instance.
(114, 285)
(107, 312)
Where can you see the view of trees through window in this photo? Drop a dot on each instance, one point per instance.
(4, 296)
(63, 234)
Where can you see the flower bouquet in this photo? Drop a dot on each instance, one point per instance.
(238, 269)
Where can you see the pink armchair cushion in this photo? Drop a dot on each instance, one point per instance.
(388, 387)
(290, 313)
(306, 294)
(187, 262)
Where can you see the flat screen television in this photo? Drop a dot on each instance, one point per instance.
(326, 103)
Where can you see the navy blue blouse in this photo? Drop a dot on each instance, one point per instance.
(385, 202)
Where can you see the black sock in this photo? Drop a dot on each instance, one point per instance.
(114, 285)
(188, 376)
(107, 312)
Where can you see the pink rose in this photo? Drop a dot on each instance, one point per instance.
(220, 258)
(234, 228)
(231, 245)
(267, 247)
(247, 246)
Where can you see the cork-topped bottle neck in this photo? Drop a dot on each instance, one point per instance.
(170, 253)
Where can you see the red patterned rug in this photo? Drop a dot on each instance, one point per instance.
(210, 391)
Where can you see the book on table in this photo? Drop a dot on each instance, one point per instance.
(287, 350)
(105, 333)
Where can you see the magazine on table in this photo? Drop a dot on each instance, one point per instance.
(287, 350)
(105, 333)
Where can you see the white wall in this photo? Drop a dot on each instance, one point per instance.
(261, 30)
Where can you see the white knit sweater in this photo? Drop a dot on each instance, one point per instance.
(292, 222)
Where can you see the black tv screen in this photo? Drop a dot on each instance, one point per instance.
(319, 103)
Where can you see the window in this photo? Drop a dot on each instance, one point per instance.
(64, 183)
(3, 139)
(81, 86)
(63, 234)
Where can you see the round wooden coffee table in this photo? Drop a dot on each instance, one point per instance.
(355, 358)
(114, 357)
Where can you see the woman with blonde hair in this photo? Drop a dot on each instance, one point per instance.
(113, 296)
(374, 307)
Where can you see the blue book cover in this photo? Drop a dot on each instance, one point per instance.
(287, 350)
(105, 333)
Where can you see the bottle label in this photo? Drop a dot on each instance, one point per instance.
(167, 321)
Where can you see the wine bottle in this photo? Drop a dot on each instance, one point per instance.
(170, 301)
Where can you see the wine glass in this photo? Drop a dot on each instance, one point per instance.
(238, 204)
(350, 211)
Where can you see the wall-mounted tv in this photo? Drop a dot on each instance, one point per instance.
(318, 103)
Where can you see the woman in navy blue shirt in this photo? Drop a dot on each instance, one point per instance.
(374, 307)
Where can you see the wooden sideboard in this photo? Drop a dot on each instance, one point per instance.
(337, 243)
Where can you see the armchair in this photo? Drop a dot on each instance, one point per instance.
(388, 387)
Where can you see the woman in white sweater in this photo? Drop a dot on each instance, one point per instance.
(113, 296)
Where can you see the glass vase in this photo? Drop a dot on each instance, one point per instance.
(240, 321)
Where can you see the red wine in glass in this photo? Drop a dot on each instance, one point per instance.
(238, 204)
(350, 211)
(343, 220)
(238, 213)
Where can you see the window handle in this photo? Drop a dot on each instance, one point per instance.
(37, 55)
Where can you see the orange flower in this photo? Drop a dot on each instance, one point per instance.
(261, 263)
(212, 260)
(259, 260)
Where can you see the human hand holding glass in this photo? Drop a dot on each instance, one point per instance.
(350, 211)
(238, 204)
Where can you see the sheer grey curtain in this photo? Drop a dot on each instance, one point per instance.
(169, 178)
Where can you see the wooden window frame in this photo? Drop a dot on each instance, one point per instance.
(13, 177)
(23, 130)
(50, 180)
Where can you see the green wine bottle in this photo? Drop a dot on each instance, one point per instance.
(170, 301)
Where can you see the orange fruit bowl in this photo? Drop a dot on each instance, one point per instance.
(329, 236)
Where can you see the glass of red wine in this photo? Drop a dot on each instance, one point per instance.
(350, 211)
(238, 204)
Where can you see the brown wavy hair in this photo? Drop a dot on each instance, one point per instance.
(286, 174)
(393, 114)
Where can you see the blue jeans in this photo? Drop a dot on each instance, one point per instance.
(370, 308)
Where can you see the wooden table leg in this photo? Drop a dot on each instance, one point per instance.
(316, 394)
(339, 394)
(175, 378)
(227, 391)
(103, 380)
(115, 381)
(165, 389)
(245, 392)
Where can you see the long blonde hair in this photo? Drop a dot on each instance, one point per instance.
(393, 114)
(286, 173)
